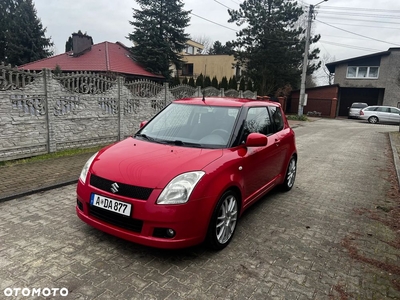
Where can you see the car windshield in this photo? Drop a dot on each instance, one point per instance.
(191, 126)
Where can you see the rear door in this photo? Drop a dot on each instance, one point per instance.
(383, 113)
(394, 115)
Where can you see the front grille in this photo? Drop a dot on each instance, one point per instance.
(116, 219)
(131, 191)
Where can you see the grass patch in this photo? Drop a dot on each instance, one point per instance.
(297, 117)
(68, 152)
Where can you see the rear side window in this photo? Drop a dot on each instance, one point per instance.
(383, 109)
(277, 118)
(394, 110)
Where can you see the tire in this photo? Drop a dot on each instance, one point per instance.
(223, 221)
(373, 120)
(290, 175)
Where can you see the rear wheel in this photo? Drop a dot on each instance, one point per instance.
(373, 120)
(290, 175)
(223, 221)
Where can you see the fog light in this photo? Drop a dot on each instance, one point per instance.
(170, 232)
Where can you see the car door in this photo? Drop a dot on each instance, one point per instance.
(383, 113)
(260, 164)
(394, 115)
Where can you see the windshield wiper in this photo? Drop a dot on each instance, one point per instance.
(144, 136)
(182, 143)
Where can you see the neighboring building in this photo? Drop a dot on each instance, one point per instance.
(196, 63)
(374, 79)
(104, 58)
(210, 65)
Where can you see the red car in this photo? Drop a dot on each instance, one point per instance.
(189, 173)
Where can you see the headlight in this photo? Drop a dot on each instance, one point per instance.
(86, 167)
(179, 189)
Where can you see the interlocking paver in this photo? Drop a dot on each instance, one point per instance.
(287, 246)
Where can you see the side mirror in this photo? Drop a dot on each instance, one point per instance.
(256, 140)
(143, 123)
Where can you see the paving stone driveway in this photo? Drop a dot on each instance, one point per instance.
(287, 246)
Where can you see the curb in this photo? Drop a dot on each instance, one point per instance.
(395, 159)
(34, 191)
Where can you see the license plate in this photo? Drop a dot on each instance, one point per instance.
(113, 205)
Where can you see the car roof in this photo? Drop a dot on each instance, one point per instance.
(226, 101)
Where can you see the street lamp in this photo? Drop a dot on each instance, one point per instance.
(305, 59)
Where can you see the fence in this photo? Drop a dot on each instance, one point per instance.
(45, 112)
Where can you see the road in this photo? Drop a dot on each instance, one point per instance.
(317, 241)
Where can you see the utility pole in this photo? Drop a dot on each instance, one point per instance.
(305, 59)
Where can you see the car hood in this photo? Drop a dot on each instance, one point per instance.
(148, 164)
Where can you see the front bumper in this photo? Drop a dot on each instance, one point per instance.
(148, 220)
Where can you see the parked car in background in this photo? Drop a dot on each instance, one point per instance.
(189, 173)
(381, 114)
(355, 108)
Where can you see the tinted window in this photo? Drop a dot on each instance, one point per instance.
(277, 118)
(372, 108)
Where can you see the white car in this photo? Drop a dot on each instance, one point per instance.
(380, 114)
(355, 108)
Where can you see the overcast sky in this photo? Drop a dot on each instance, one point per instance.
(348, 28)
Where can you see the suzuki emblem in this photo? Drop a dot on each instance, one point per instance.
(114, 187)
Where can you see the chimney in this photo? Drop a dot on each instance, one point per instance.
(81, 43)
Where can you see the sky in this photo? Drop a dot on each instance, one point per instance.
(348, 28)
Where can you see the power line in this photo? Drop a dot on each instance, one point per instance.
(359, 9)
(358, 25)
(213, 22)
(359, 20)
(358, 14)
(367, 37)
(349, 46)
(223, 4)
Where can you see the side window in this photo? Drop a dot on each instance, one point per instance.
(257, 120)
(277, 118)
(394, 110)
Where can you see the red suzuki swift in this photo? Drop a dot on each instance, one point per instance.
(189, 173)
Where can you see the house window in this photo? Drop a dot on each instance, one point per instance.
(187, 70)
(362, 72)
(190, 49)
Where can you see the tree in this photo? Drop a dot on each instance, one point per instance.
(232, 84)
(69, 44)
(22, 37)
(224, 83)
(214, 82)
(159, 34)
(191, 82)
(250, 85)
(207, 81)
(242, 84)
(271, 51)
(218, 48)
(200, 80)
(173, 81)
(185, 80)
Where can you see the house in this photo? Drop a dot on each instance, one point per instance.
(103, 58)
(373, 78)
(196, 63)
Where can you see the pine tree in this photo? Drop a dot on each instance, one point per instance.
(200, 80)
(207, 81)
(250, 85)
(191, 82)
(242, 84)
(185, 80)
(159, 34)
(214, 82)
(224, 83)
(22, 38)
(271, 50)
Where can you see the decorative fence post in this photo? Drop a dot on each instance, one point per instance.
(119, 83)
(166, 89)
(46, 73)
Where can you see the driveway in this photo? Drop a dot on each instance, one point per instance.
(325, 239)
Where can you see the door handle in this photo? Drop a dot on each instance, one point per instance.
(277, 142)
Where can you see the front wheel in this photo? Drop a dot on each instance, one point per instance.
(290, 175)
(223, 221)
(373, 120)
